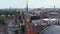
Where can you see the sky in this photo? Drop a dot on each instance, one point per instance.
(31, 3)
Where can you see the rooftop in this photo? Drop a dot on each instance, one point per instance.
(53, 29)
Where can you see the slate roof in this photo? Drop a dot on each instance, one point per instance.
(54, 29)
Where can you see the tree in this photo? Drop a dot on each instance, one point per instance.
(16, 31)
(22, 28)
(1, 21)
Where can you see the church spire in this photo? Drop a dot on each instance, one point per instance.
(27, 5)
(54, 6)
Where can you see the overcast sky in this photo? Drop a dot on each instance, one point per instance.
(31, 3)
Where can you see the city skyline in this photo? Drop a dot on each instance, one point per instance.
(31, 3)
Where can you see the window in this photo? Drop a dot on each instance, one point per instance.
(35, 17)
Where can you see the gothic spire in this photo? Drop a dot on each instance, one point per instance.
(27, 5)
